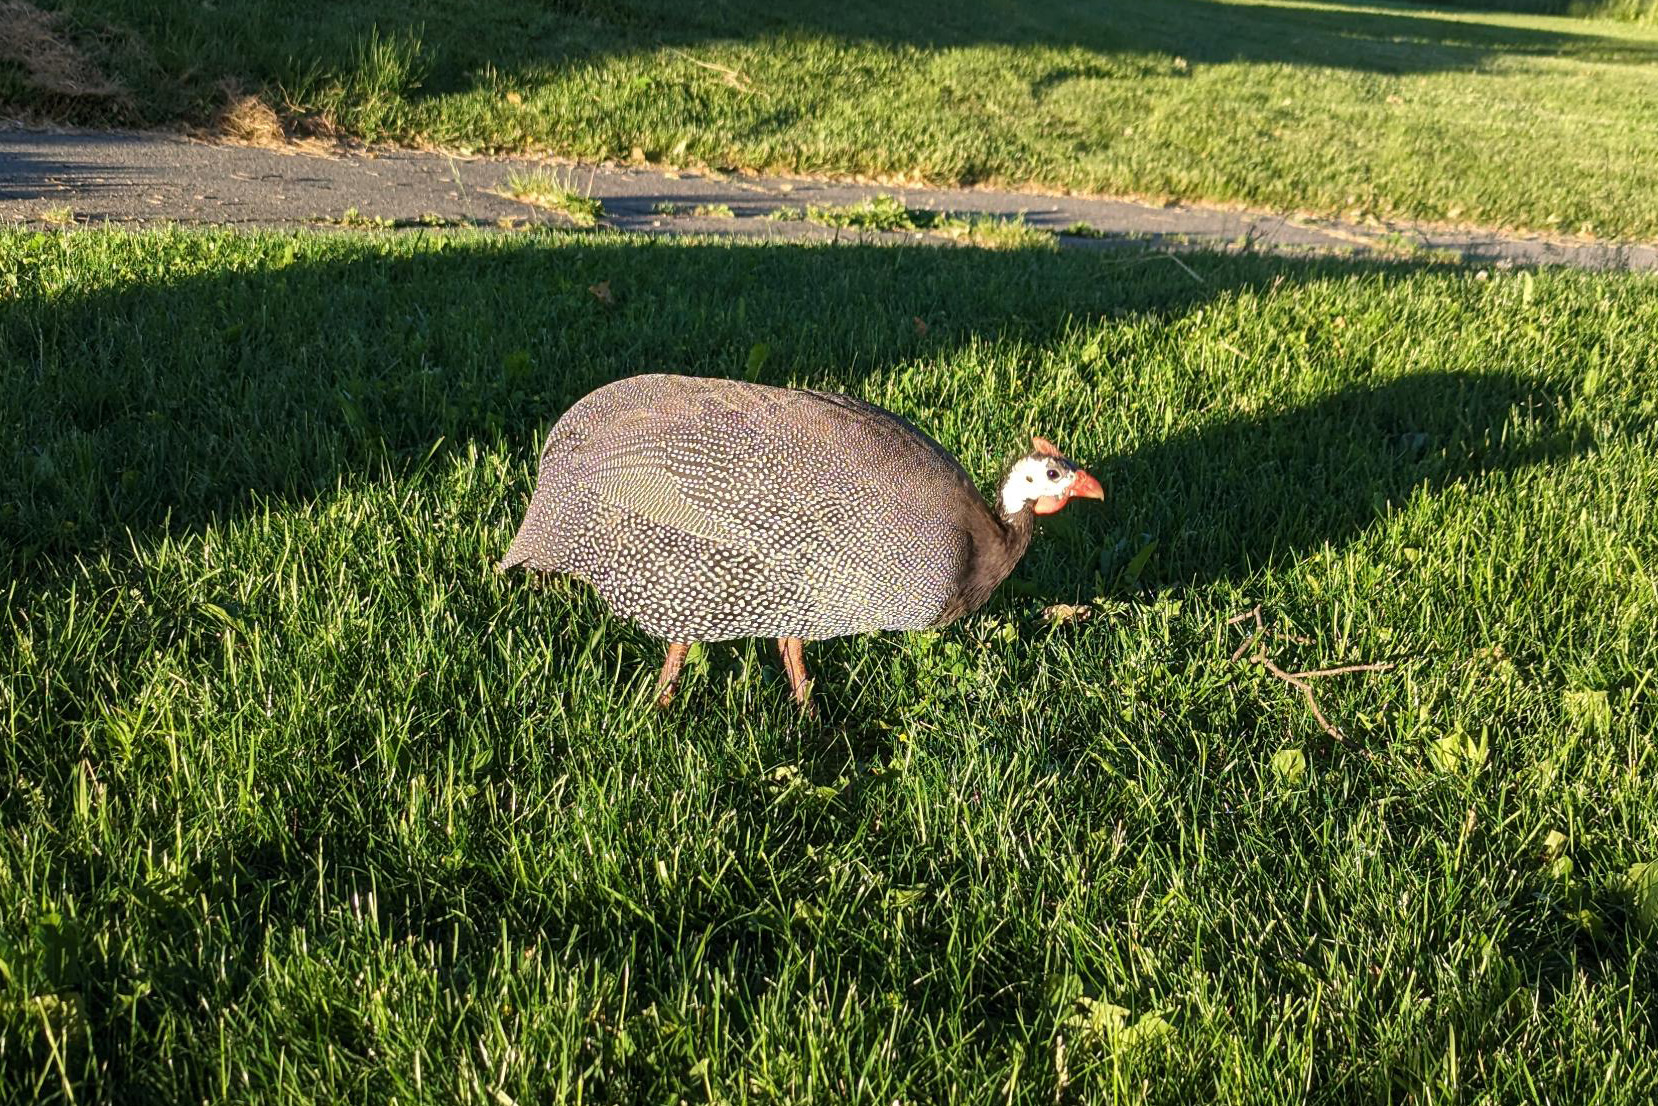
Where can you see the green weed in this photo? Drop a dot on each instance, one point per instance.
(888, 213)
(555, 192)
(700, 211)
(875, 213)
(992, 232)
(353, 218)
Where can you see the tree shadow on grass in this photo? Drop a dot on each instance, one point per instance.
(1384, 37)
(173, 400)
(163, 403)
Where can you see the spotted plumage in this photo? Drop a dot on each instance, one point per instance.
(710, 509)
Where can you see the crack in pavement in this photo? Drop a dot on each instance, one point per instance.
(127, 178)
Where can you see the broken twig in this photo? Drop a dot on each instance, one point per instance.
(1191, 272)
(1381, 666)
(733, 77)
(1297, 680)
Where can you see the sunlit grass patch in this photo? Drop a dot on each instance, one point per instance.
(992, 231)
(876, 213)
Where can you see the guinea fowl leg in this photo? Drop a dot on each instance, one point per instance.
(668, 682)
(794, 663)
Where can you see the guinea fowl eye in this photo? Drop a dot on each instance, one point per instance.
(1053, 474)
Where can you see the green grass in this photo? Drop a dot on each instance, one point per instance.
(1633, 10)
(1387, 110)
(302, 802)
(877, 213)
(697, 211)
(555, 192)
(991, 232)
(888, 213)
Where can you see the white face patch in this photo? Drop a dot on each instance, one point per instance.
(1029, 479)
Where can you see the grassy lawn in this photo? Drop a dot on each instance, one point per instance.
(303, 802)
(1376, 110)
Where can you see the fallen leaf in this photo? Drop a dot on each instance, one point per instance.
(1095, 1020)
(1098, 1023)
(1061, 613)
(1554, 844)
(1642, 882)
(515, 98)
(601, 292)
(903, 898)
(1289, 765)
(920, 327)
(1149, 1032)
(1456, 752)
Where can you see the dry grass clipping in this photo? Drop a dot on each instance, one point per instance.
(248, 119)
(34, 41)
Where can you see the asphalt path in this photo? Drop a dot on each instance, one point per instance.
(67, 177)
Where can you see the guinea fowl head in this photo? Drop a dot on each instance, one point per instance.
(1044, 480)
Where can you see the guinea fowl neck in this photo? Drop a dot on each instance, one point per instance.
(995, 555)
(1016, 531)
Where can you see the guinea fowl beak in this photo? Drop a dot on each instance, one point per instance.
(1081, 485)
(1086, 486)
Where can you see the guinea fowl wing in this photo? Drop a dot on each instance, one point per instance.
(709, 509)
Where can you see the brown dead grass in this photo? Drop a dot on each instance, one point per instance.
(35, 41)
(248, 119)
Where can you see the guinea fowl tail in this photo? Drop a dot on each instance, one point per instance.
(542, 539)
(515, 557)
(533, 545)
(512, 560)
(524, 548)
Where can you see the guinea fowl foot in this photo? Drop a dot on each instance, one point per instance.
(668, 682)
(793, 650)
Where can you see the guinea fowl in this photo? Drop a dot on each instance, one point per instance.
(706, 510)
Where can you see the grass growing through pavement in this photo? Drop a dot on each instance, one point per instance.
(991, 232)
(877, 213)
(696, 211)
(888, 213)
(554, 192)
(303, 802)
(1365, 110)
